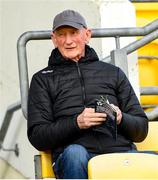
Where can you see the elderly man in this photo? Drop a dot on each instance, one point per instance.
(62, 98)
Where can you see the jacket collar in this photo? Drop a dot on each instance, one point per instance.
(56, 58)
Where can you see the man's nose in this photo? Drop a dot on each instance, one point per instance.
(68, 39)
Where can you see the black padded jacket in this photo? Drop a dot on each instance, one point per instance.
(61, 91)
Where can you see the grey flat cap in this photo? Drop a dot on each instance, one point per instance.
(69, 18)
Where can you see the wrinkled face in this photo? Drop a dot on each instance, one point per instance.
(71, 41)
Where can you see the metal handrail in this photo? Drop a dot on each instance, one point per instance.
(150, 29)
(137, 44)
(124, 32)
(149, 90)
(148, 57)
(152, 114)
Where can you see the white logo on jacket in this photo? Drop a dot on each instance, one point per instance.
(48, 71)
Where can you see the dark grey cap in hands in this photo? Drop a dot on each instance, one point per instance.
(69, 18)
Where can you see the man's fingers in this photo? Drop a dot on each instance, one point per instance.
(119, 113)
(90, 118)
(90, 112)
(95, 115)
(93, 123)
(96, 119)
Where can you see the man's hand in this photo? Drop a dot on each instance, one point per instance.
(119, 113)
(89, 118)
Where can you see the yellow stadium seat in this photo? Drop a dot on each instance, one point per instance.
(151, 141)
(46, 162)
(123, 166)
(43, 165)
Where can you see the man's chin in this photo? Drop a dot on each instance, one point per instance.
(74, 58)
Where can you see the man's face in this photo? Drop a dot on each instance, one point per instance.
(71, 41)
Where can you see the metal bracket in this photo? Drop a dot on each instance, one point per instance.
(38, 167)
(15, 149)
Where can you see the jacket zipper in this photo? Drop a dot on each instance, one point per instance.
(82, 84)
(84, 98)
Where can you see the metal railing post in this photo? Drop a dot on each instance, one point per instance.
(22, 63)
(119, 58)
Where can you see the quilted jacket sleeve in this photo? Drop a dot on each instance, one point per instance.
(43, 131)
(134, 124)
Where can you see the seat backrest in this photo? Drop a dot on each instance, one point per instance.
(127, 166)
(151, 141)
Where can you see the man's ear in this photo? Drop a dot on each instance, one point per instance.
(88, 35)
(53, 39)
